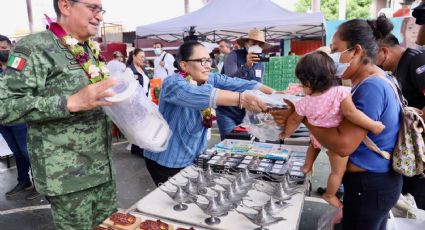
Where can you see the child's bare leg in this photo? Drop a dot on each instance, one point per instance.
(311, 156)
(338, 166)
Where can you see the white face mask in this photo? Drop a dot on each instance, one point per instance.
(340, 67)
(255, 49)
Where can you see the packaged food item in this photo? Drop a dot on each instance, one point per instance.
(122, 221)
(155, 225)
(137, 117)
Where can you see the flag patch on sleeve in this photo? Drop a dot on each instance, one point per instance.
(16, 62)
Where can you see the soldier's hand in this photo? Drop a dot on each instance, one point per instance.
(251, 59)
(252, 103)
(91, 96)
(162, 63)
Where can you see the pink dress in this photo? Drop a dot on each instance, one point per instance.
(323, 110)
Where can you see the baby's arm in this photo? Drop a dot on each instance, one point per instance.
(294, 120)
(359, 118)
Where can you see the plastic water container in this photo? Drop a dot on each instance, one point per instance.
(137, 117)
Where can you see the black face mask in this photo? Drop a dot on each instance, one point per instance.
(4, 55)
(382, 63)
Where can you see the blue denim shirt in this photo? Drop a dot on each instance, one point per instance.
(181, 104)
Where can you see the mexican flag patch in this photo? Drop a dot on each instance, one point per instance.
(16, 62)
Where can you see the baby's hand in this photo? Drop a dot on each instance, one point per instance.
(378, 128)
(283, 135)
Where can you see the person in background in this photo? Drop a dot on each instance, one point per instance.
(135, 64)
(117, 63)
(16, 138)
(48, 86)
(408, 66)
(291, 53)
(420, 20)
(242, 63)
(371, 186)
(224, 48)
(163, 63)
(186, 101)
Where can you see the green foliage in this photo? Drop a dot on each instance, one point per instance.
(355, 8)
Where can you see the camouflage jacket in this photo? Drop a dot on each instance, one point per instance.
(68, 151)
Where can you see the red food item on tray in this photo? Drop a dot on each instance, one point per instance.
(123, 219)
(153, 225)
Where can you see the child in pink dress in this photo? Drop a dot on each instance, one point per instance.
(325, 105)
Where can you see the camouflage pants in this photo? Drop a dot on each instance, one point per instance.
(84, 209)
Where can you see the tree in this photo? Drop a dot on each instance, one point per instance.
(355, 8)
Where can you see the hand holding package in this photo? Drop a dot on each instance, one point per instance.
(137, 117)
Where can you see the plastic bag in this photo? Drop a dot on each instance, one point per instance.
(329, 218)
(395, 223)
(137, 117)
(405, 207)
(262, 125)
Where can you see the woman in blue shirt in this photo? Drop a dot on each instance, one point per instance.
(371, 187)
(184, 96)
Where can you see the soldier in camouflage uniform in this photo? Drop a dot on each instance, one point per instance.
(69, 136)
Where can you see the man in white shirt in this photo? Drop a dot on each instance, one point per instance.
(163, 63)
(116, 64)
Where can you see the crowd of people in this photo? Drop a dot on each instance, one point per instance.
(52, 119)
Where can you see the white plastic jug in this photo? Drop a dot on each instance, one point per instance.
(137, 117)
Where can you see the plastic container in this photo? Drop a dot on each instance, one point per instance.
(136, 116)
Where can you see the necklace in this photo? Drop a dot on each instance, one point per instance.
(208, 114)
(95, 69)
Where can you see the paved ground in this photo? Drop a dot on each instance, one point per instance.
(134, 182)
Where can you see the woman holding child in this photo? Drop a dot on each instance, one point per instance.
(371, 186)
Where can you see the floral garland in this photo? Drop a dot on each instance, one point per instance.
(208, 114)
(96, 71)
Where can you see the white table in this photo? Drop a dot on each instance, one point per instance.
(158, 205)
(5, 150)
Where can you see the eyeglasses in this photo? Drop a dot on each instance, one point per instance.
(95, 9)
(203, 61)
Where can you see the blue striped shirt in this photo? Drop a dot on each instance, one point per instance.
(181, 104)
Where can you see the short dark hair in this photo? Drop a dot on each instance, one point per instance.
(159, 43)
(228, 43)
(5, 39)
(390, 41)
(56, 7)
(365, 33)
(316, 70)
(185, 51)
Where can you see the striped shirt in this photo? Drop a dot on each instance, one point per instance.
(181, 104)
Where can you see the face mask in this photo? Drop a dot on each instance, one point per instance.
(255, 49)
(4, 55)
(157, 51)
(382, 64)
(340, 67)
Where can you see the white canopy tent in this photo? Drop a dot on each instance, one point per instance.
(232, 19)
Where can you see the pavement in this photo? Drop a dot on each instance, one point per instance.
(133, 183)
